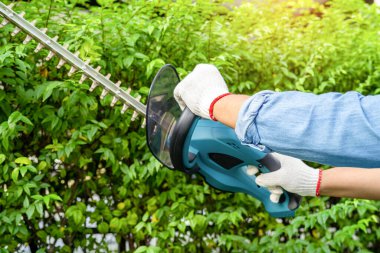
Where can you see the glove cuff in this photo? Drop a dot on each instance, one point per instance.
(207, 100)
(317, 193)
(211, 109)
(310, 181)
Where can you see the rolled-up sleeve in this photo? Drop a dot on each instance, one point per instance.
(333, 128)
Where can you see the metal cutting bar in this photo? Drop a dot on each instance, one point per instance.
(69, 57)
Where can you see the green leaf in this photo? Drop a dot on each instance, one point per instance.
(144, 90)
(5, 142)
(23, 160)
(132, 219)
(103, 228)
(15, 117)
(155, 64)
(141, 249)
(18, 191)
(41, 250)
(128, 61)
(77, 216)
(42, 165)
(23, 170)
(26, 189)
(115, 225)
(139, 226)
(141, 56)
(198, 222)
(25, 204)
(30, 211)
(42, 234)
(46, 200)
(2, 158)
(38, 197)
(5, 55)
(39, 208)
(181, 227)
(31, 168)
(15, 173)
(54, 197)
(50, 86)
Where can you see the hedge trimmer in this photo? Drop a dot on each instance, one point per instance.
(178, 139)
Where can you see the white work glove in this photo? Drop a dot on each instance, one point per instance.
(294, 176)
(199, 89)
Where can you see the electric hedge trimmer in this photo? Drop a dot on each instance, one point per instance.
(178, 139)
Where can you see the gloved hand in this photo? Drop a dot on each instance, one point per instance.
(199, 89)
(294, 176)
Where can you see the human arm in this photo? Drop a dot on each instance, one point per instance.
(226, 109)
(332, 128)
(351, 183)
(335, 182)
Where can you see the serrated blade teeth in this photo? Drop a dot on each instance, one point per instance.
(143, 123)
(104, 93)
(4, 23)
(38, 48)
(82, 78)
(50, 55)
(134, 116)
(71, 71)
(39, 45)
(27, 39)
(61, 63)
(125, 107)
(15, 31)
(115, 98)
(93, 85)
(22, 14)
(114, 101)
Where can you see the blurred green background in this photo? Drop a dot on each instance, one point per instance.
(76, 175)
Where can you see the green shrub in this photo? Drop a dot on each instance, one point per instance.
(72, 167)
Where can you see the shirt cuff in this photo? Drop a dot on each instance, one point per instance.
(246, 129)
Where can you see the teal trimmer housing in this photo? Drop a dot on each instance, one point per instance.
(182, 141)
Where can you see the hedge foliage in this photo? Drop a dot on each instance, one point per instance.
(72, 167)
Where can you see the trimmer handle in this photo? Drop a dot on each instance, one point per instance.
(214, 151)
(273, 164)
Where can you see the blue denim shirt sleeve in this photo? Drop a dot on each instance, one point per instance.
(332, 128)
